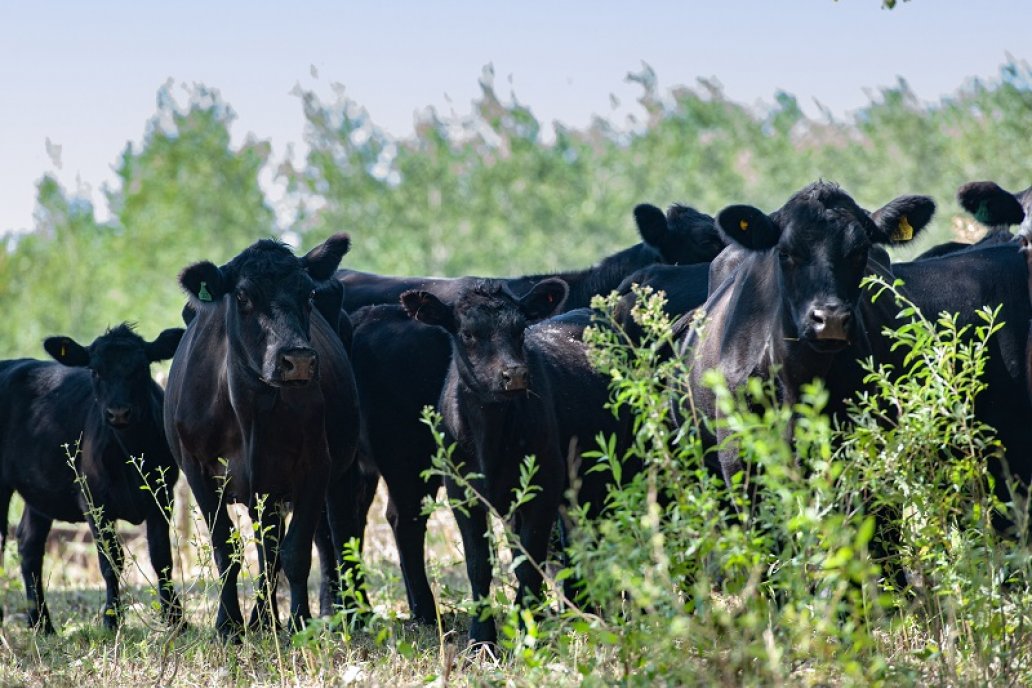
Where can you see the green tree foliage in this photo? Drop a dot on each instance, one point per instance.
(184, 195)
(489, 191)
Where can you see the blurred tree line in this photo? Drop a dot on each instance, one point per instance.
(481, 193)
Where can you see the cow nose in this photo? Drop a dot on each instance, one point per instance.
(831, 323)
(514, 378)
(297, 365)
(117, 416)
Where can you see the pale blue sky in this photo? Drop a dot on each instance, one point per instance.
(85, 73)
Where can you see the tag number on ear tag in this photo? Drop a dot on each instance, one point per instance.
(203, 294)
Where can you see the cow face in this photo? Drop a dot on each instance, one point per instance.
(267, 295)
(487, 323)
(819, 243)
(682, 236)
(120, 364)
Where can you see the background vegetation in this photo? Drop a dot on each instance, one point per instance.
(491, 191)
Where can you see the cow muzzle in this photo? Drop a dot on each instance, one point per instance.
(296, 367)
(514, 378)
(117, 416)
(831, 324)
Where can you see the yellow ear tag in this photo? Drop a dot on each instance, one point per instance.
(904, 232)
(64, 350)
(743, 225)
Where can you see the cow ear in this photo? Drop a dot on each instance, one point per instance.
(544, 299)
(990, 204)
(205, 282)
(67, 351)
(165, 345)
(427, 308)
(652, 224)
(749, 227)
(323, 260)
(901, 219)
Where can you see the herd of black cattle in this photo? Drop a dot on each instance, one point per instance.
(298, 383)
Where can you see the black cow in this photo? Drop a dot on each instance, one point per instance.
(491, 398)
(995, 275)
(794, 304)
(68, 432)
(400, 366)
(681, 237)
(262, 402)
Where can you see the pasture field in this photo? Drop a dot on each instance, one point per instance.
(805, 592)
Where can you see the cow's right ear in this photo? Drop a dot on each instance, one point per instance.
(164, 346)
(652, 224)
(749, 227)
(67, 351)
(990, 204)
(427, 308)
(205, 282)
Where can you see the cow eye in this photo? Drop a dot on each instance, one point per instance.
(241, 299)
(311, 296)
(95, 374)
(467, 337)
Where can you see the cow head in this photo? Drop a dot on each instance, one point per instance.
(682, 236)
(120, 362)
(487, 323)
(267, 295)
(819, 242)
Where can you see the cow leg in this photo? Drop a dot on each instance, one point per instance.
(229, 618)
(270, 536)
(296, 551)
(5, 505)
(409, 526)
(111, 559)
(347, 509)
(473, 528)
(329, 586)
(534, 527)
(159, 547)
(32, 540)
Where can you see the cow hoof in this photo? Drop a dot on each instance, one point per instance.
(110, 618)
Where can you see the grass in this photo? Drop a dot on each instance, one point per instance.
(391, 650)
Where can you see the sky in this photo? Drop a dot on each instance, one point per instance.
(84, 74)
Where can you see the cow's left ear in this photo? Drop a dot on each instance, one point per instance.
(67, 351)
(164, 346)
(902, 219)
(205, 282)
(323, 260)
(749, 227)
(544, 299)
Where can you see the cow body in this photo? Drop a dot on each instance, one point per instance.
(400, 367)
(498, 412)
(68, 436)
(262, 410)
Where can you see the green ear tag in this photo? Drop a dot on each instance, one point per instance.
(904, 232)
(982, 214)
(203, 294)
